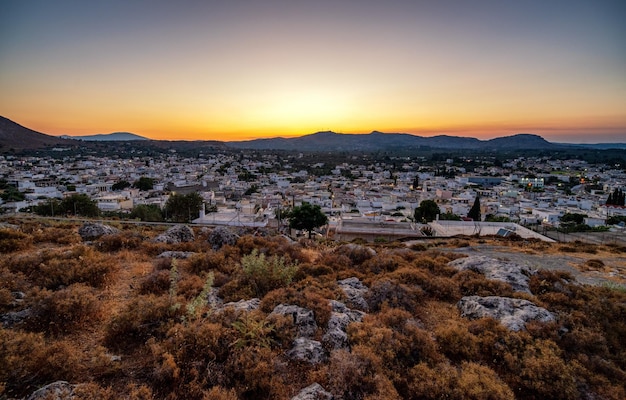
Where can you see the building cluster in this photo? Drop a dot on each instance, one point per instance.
(362, 199)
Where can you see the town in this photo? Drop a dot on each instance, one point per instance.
(374, 197)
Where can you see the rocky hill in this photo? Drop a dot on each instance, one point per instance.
(96, 312)
(16, 137)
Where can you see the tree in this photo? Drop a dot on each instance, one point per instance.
(448, 216)
(12, 194)
(120, 185)
(48, 208)
(147, 212)
(617, 198)
(307, 217)
(416, 182)
(427, 211)
(144, 183)
(573, 218)
(474, 212)
(79, 204)
(183, 207)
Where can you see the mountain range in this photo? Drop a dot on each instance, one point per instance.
(331, 141)
(107, 137)
(15, 137)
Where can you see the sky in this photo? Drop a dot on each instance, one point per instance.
(235, 70)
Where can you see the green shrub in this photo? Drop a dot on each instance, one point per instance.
(265, 274)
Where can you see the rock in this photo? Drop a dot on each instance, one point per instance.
(14, 317)
(341, 316)
(303, 318)
(514, 274)
(356, 252)
(307, 350)
(313, 392)
(244, 305)
(176, 234)
(93, 230)
(213, 299)
(512, 313)
(221, 236)
(59, 390)
(354, 290)
(176, 254)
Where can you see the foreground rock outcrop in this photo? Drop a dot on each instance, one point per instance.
(176, 234)
(313, 392)
(94, 230)
(220, 237)
(307, 350)
(514, 274)
(355, 291)
(341, 316)
(303, 318)
(512, 313)
(59, 390)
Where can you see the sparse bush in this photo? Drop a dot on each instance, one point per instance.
(12, 240)
(65, 310)
(119, 241)
(265, 274)
(63, 236)
(142, 318)
(393, 294)
(158, 283)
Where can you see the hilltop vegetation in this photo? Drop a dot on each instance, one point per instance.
(117, 321)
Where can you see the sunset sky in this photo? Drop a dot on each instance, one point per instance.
(231, 70)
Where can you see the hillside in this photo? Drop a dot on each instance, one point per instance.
(248, 317)
(16, 137)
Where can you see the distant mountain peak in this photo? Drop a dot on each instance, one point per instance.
(106, 137)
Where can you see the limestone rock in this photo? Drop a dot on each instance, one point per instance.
(244, 305)
(512, 313)
(313, 392)
(221, 236)
(176, 254)
(514, 274)
(307, 350)
(59, 390)
(341, 316)
(303, 318)
(176, 234)
(93, 230)
(354, 290)
(14, 317)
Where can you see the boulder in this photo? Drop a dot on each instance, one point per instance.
(313, 392)
(176, 234)
(354, 291)
(341, 316)
(307, 350)
(244, 305)
(59, 390)
(94, 230)
(221, 236)
(512, 313)
(303, 319)
(176, 254)
(14, 317)
(514, 274)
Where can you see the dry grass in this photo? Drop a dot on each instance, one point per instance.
(127, 335)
